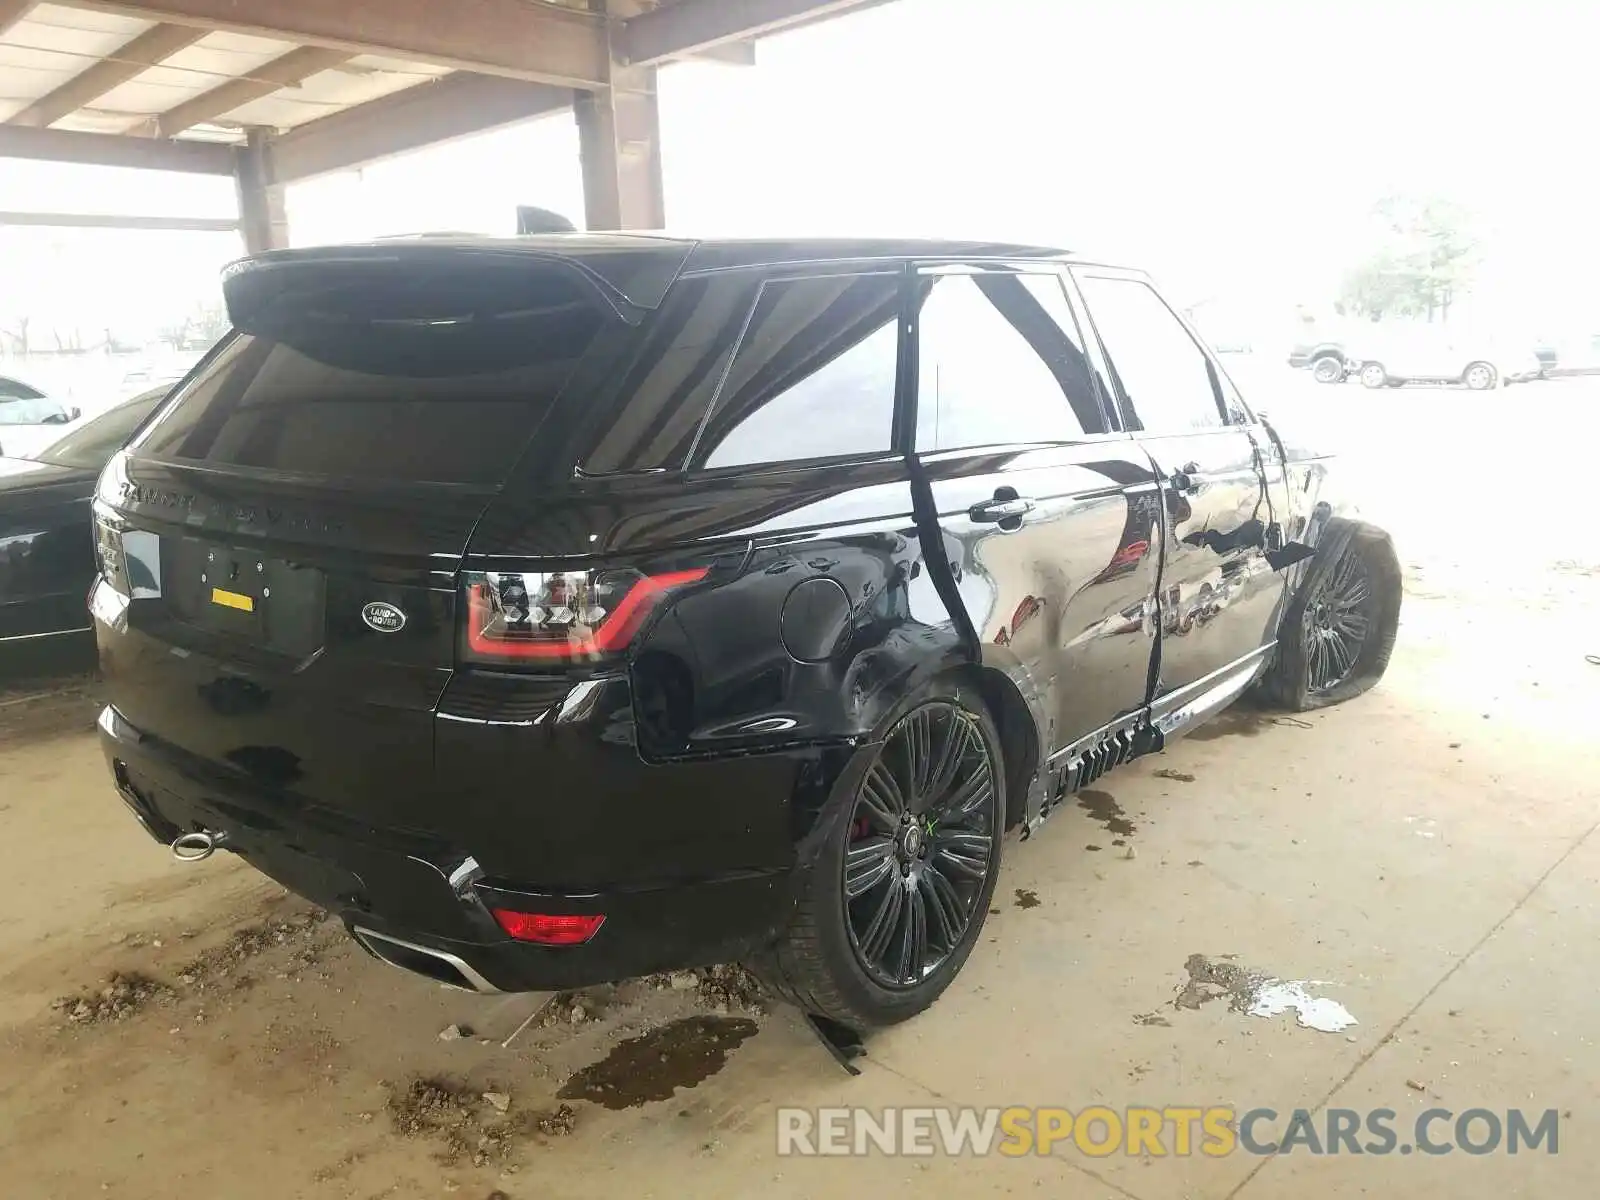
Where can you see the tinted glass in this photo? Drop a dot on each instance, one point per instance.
(33, 411)
(814, 375)
(645, 418)
(15, 387)
(1166, 378)
(93, 442)
(419, 377)
(1001, 360)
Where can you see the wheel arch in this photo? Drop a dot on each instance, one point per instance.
(1337, 534)
(1021, 743)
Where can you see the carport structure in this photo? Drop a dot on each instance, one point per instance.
(270, 92)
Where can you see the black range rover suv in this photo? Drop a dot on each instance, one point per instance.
(561, 609)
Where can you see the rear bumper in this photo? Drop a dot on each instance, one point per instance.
(418, 902)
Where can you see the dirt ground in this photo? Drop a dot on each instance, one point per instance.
(1427, 853)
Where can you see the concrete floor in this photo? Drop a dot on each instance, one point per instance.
(1428, 852)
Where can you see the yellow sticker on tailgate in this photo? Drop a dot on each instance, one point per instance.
(233, 600)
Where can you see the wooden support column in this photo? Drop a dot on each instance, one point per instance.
(619, 138)
(263, 220)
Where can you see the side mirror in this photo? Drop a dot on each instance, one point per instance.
(74, 413)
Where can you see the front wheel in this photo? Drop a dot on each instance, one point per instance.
(1373, 375)
(895, 900)
(1480, 376)
(1338, 633)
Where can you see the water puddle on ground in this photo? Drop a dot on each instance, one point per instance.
(655, 1065)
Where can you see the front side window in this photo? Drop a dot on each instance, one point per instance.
(1000, 360)
(813, 377)
(1165, 377)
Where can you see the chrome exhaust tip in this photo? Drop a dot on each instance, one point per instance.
(437, 965)
(197, 846)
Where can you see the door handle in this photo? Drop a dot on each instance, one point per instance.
(1186, 478)
(990, 512)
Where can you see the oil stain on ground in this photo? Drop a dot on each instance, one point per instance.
(656, 1064)
(1103, 807)
(1212, 979)
(1027, 899)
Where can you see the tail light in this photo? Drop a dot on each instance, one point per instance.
(562, 616)
(547, 929)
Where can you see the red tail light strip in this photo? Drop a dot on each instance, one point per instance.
(613, 634)
(549, 930)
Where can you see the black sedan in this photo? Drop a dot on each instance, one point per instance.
(46, 540)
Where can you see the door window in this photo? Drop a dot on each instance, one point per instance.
(1001, 360)
(814, 375)
(30, 411)
(1164, 377)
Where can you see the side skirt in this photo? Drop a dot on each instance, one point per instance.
(1145, 731)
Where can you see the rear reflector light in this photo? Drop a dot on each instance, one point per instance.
(561, 615)
(547, 929)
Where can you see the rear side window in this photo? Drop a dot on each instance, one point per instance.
(429, 377)
(813, 376)
(1001, 360)
(1165, 377)
(646, 417)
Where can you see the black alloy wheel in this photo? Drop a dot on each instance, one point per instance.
(921, 846)
(1338, 618)
(1339, 631)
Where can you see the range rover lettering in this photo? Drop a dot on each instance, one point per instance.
(560, 609)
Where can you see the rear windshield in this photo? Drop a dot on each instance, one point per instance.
(389, 373)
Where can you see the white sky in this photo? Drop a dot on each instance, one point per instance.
(1234, 147)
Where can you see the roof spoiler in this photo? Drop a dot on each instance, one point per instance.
(542, 220)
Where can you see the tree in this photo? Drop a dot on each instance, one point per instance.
(1423, 257)
(18, 334)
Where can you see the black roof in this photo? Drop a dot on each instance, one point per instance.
(638, 266)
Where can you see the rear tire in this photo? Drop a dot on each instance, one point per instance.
(1328, 369)
(1480, 376)
(882, 881)
(1373, 375)
(1338, 632)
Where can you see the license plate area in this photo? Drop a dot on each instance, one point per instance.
(246, 596)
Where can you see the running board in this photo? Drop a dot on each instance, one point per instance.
(1147, 731)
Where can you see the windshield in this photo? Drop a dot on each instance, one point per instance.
(92, 443)
(15, 388)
